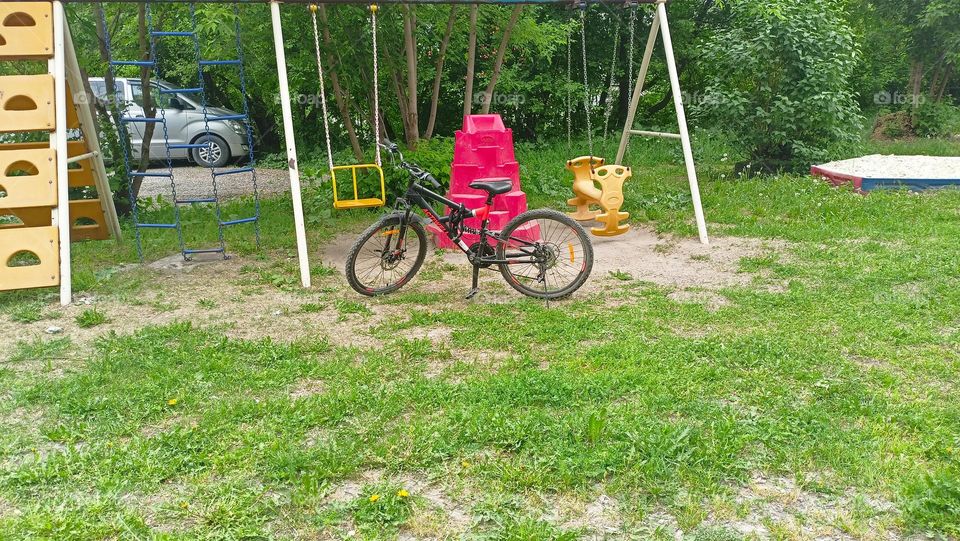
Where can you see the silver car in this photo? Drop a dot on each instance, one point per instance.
(185, 124)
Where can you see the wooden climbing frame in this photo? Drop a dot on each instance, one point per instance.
(37, 218)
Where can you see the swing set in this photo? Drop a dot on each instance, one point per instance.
(353, 170)
(341, 174)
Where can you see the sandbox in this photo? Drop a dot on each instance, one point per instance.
(879, 171)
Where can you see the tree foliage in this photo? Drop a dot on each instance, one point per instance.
(781, 80)
(786, 77)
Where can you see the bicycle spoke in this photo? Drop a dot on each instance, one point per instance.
(379, 264)
(556, 248)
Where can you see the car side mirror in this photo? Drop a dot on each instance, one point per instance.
(175, 103)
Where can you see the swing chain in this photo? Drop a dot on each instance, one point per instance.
(569, 99)
(633, 24)
(608, 108)
(323, 94)
(376, 85)
(586, 80)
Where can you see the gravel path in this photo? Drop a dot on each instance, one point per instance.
(896, 167)
(195, 182)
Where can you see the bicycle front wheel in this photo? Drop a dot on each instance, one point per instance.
(549, 256)
(386, 256)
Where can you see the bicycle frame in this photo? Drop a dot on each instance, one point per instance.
(452, 224)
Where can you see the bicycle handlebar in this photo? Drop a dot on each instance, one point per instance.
(415, 170)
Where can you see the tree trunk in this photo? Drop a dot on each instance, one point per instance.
(471, 56)
(339, 93)
(401, 100)
(947, 75)
(100, 16)
(441, 57)
(108, 107)
(498, 62)
(395, 77)
(916, 80)
(149, 108)
(410, 48)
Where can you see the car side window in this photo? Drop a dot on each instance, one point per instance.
(159, 100)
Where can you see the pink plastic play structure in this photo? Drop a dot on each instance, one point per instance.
(484, 149)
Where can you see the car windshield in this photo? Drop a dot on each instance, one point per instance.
(99, 88)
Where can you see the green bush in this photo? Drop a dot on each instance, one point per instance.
(779, 81)
(434, 155)
(937, 119)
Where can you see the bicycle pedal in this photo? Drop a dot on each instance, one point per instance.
(472, 293)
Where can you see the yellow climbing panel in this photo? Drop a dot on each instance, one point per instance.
(28, 178)
(357, 202)
(87, 216)
(26, 30)
(26, 103)
(26, 217)
(29, 257)
(87, 221)
(589, 173)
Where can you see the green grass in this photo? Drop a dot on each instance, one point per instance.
(844, 383)
(91, 318)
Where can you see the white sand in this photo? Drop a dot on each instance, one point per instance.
(896, 167)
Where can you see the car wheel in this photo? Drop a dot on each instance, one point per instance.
(214, 153)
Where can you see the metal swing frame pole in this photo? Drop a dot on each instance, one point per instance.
(660, 24)
(289, 138)
(58, 141)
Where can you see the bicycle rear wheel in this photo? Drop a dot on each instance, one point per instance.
(386, 256)
(550, 255)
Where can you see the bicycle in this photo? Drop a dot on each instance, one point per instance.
(541, 253)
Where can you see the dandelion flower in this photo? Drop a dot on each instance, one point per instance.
(184, 505)
(403, 493)
(172, 402)
(374, 498)
(465, 464)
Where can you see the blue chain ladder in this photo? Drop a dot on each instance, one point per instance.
(243, 117)
(120, 113)
(215, 199)
(249, 125)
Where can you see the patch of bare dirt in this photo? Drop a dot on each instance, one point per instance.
(307, 387)
(7, 509)
(598, 519)
(438, 513)
(162, 509)
(710, 300)
(234, 295)
(168, 423)
(640, 253)
(777, 505)
(248, 298)
(439, 334)
(677, 262)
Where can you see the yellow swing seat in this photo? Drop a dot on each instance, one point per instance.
(357, 202)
